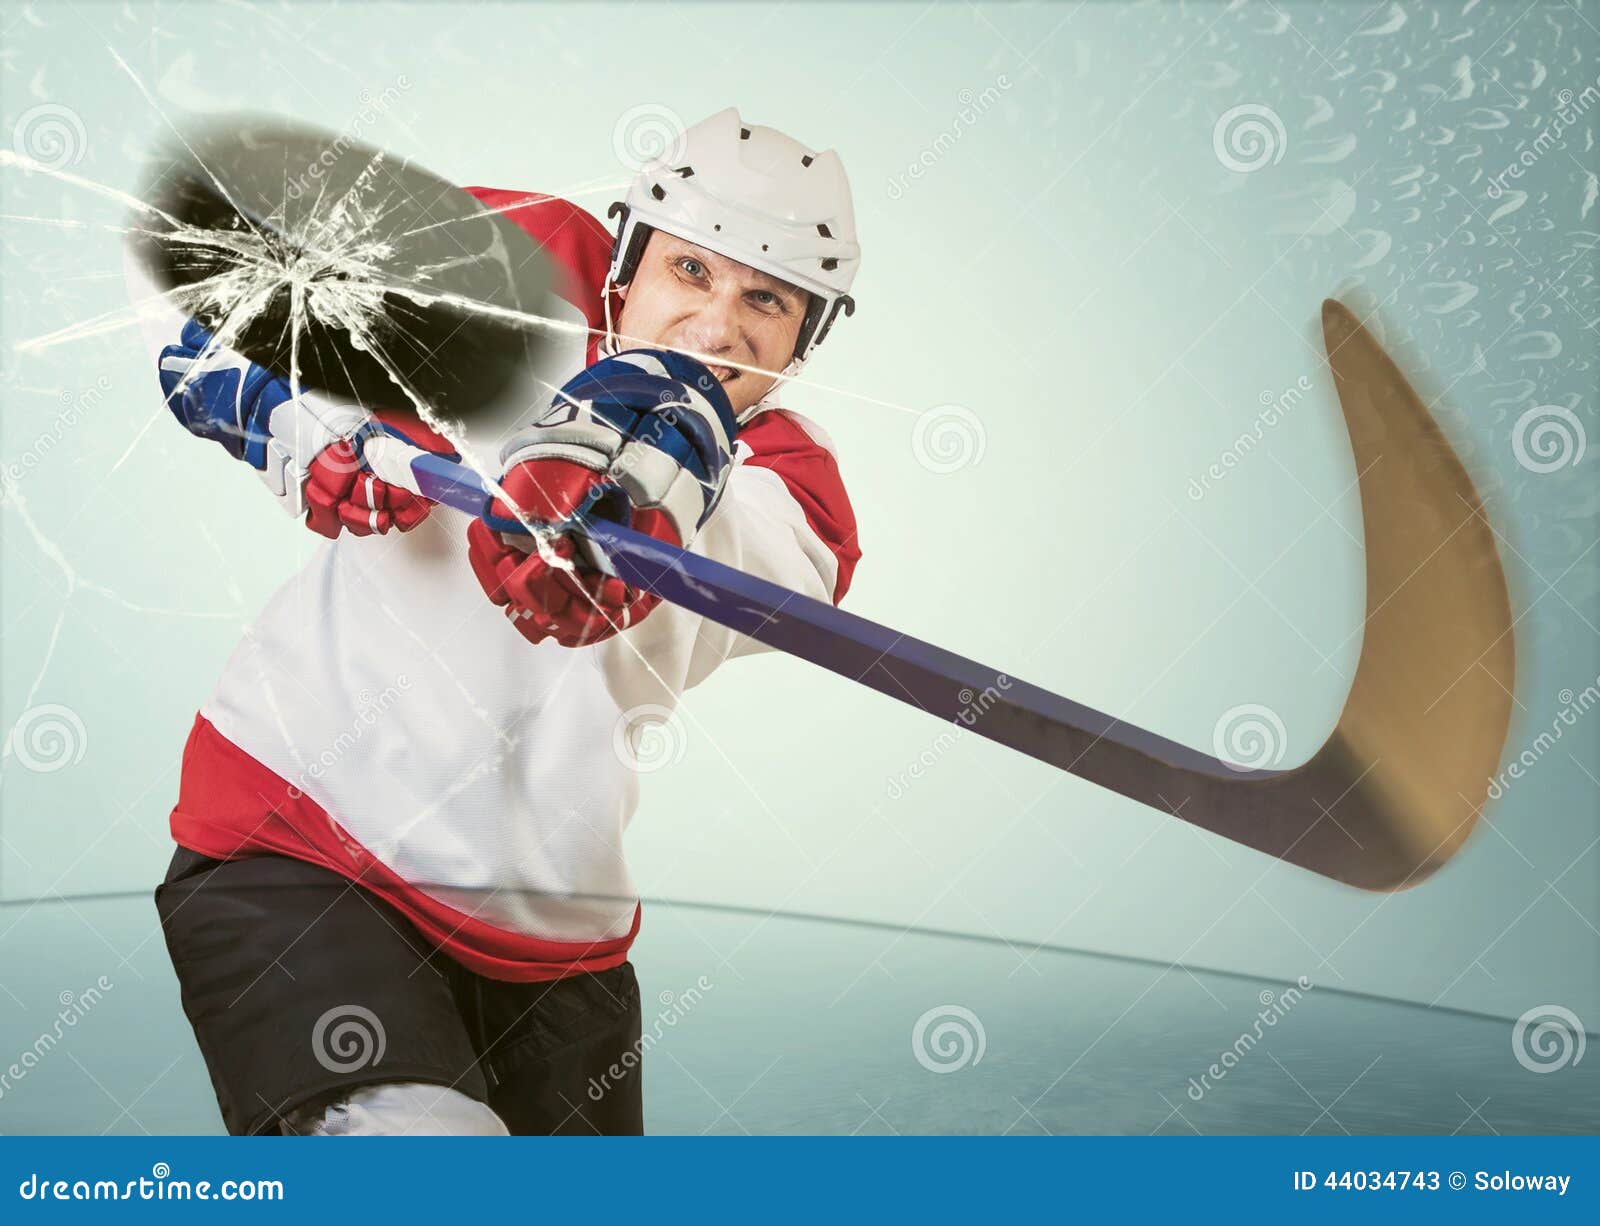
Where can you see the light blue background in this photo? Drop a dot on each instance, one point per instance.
(1079, 271)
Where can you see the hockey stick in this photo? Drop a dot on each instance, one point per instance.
(425, 294)
(1397, 786)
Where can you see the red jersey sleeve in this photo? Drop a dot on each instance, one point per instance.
(778, 440)
(576, 242)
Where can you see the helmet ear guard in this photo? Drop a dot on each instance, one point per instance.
(624, 263)
(805, 343)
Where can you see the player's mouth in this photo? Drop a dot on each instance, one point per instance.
(724, 374)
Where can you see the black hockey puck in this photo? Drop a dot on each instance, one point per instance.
(371, 277)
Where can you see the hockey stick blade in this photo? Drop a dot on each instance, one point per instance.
(1394, 790)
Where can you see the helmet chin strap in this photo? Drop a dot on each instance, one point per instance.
(611, 344)
(766, 402)
(608, 343)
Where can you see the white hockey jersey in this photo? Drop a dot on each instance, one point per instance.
(383, 719)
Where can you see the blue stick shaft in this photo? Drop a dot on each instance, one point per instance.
(942, 683)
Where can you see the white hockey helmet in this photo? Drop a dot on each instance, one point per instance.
(754, 195)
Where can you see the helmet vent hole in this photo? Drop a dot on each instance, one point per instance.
(829, 264)
(658, 191)
(806, 161)
(686, 172)
(823, 230)
(718, 226)
(763, 246)
(744, 133)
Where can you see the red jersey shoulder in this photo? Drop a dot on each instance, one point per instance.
(784, 443)
(578, 244)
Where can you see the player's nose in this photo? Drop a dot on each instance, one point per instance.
(715, 326)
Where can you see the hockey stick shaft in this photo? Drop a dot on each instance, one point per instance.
(952, 687)
(1398, 783)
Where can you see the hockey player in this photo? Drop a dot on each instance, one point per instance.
(399, 901)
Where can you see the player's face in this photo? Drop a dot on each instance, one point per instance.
(687, 298)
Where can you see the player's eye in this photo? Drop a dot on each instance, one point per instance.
(767, 300)
(692, 267)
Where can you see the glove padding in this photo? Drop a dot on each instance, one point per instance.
(340, 493)
(644, 438)
(305, 448)
(552, 599)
